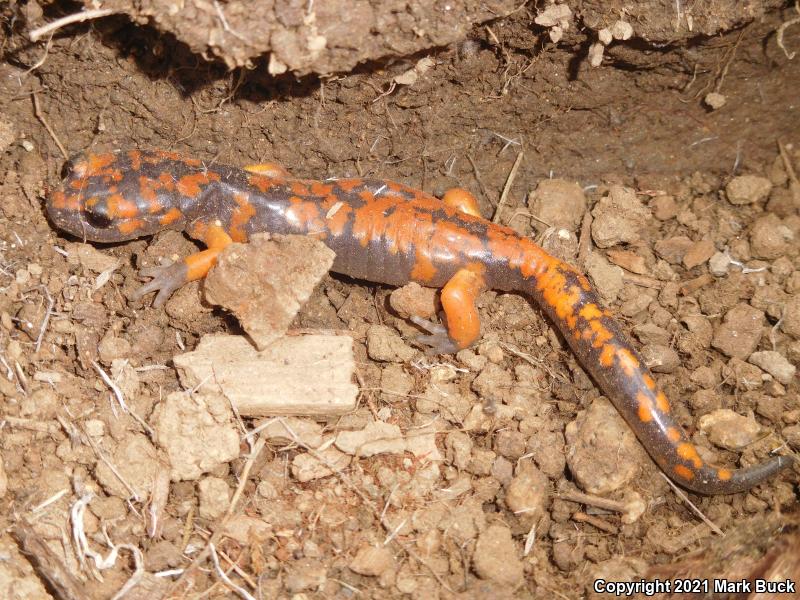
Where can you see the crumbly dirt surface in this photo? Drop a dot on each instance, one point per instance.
(686, 217)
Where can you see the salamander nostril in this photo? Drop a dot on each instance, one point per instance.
(97, 220)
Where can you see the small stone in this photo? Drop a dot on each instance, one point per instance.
(386, 345)
(740, 331)
(605, 36)
(791, 317)
(413, 300)
(510, 443)
(746, 189)
(664, 207)
(371, 561)
(618, 217)
(661, 359)
(527, 494)
(559, 203)
(719, 263)
(770, 238)
(622, 30)
(775, 364)
(715, 100)
(304, 575)
(215, 497)
(792, 436)
(602, 451)
(607, 278)
(112, 348)
(595, 54)
(698, 253)
(673, 249)
(554, 14)
(729, 430)
(630, 261)
(496, 556)
(395, 383)
(377, 437)
(306, 467)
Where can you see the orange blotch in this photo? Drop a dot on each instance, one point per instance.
(649, 382)
(688, 452)
(673, 434)
(98, 162)
(423, 271)
(136, 159)
(130, 226)
(240, 217)
(167, 181)
(348, 185)
(120, 207)
(305, 216)
(190, 185)
(607, 355)
(662, 403)
(261, 183)
(601, 334)
(627, 361)
(299, 188)
(724, 474)
(683, 472)
(58, 200)
(337, 216)
(169, 217)
(320, 189)
(590, 312)
(645, 409)
(77, 184)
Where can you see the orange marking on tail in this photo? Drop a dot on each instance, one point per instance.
(673, 434)
(683, 472)
(627, 361)
(130, 226)
(189, 185)
(662, 403)
(120, 207)
(724, 474)
(169, 217)
(688, 452)
(645, 410)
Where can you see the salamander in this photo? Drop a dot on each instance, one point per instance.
(388, 233)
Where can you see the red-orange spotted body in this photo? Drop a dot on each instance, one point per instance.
(389, 233)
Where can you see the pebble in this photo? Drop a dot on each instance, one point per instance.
(386, 345)
(395, 383)
(183, 426)
(559, 203)
(664, 207)
(729, 430)
(775, 364)
(770, 238)
(740, 331)
(661, 359)
(214, 497)
(746, 189)
(305, 575)
(136, 461)
(792, 436)
(630, 261)
(618, 217)
(306, 467)
(372, 561)
(496, 556)
(698, 253)
(527, 494)
(413, 299)
(112, 348)
(719, 263)
(791, 317)
(673, 249)
(602, 452)
(607, 278)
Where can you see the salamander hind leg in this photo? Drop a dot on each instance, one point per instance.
(463, 323)
(168, 278)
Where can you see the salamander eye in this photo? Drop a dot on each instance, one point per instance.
(97, 220)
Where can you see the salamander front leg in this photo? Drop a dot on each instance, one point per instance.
(463, 323)
(463, 201)
(168, 278)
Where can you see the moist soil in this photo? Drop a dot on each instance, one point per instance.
(686, 253)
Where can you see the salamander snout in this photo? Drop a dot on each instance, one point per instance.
(102, 199)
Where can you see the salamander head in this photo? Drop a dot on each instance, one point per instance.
(102, 199)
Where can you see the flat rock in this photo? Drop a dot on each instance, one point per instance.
(303, 375)
(307, 467)
(775, 364)
(413, 299)
(266, 281)
(618, 217)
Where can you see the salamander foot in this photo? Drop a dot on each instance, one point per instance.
(438, 342)
(166, 279)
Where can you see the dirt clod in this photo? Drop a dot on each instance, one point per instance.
(747, 189)
(496, 556)
(775, 364)
(739, 333)
(558, 203)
